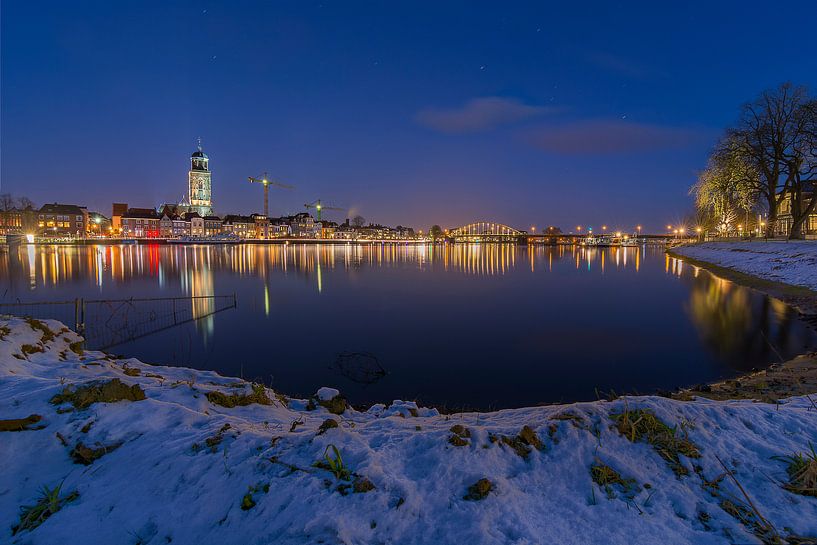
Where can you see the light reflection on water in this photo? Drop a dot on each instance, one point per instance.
(491, 325)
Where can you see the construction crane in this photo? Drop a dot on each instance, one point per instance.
(319, 206)
(266, 182)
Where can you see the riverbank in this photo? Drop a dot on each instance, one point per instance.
(152, 454)
(786, 270)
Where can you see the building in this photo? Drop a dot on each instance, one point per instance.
(303, 225)
(262, 229)
(240, 226)
(199, 184)
(213, 225)
(62, 220)
(119, 209)
(328, 229)
(16, 221)
(141, 223)
(181, 226)
(785, 218)
(196, 224)
(98, 225)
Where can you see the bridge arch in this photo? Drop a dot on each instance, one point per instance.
(485, 230)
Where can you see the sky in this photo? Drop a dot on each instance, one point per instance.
(411, 113)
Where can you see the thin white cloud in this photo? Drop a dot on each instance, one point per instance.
(479, 114)
(612, 136)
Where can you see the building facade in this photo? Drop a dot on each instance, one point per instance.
(62, 220)
(784, 215)
(16, 221)
(141, 223)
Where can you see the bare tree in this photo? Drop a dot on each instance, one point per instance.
(770, 136)
(25, 202)
(358, 221)
(6, 202)
(802, 166)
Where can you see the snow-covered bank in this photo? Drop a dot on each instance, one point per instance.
(189, 456)
(788, 262)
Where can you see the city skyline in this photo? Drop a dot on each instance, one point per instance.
(448, 120)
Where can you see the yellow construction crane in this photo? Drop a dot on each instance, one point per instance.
(266, 182)
(319, 206)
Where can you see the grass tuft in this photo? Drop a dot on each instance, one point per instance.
(459, 435)
(49, 503)
(802, 470)
(99, 392)
(643, 425)
(479, 490)
(257, 395)
(85, 455)
(21, 424)
(35, 324)
(333, 462)
(611, 480)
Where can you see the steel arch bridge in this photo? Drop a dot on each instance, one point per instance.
(485, 230)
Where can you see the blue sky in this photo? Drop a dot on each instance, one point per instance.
(407, 113)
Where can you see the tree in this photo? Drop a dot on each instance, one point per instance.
(25, 202)
(358, 221)
(6, 202)
(771, 136)
(435, 232)
(726, 187)
(802, 166)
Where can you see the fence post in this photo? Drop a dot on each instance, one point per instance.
(76, 315)
(81, 316)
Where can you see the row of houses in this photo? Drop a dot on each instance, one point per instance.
(171, 222)
(53, 220)
(72, 221)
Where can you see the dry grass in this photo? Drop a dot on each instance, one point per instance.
(82, 454)
(802, 470)
(479, 490)
(21, 424)
(643, 425)
(35, 324)
(99, 392)
(258, 395)
(611, 480)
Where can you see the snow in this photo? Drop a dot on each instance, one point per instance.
(327, 394)
(157, 488)
(788, 262)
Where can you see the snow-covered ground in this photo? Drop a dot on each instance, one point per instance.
(788, 262)
(181, 475)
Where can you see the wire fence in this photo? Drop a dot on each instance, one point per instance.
(108, 322)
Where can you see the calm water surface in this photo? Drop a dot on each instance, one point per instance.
(482, 326)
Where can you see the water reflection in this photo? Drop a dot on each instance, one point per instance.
(735, 325)
(459, 323)
(54, 265)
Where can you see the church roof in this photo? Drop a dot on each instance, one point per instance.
(199, 153)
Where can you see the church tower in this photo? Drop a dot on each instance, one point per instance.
(199, 183)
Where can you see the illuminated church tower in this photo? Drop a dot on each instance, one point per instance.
(199, 183)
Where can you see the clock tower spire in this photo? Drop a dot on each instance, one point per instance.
(199, 182)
